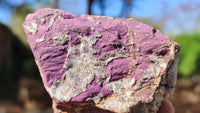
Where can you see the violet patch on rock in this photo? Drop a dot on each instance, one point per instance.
(101, 63)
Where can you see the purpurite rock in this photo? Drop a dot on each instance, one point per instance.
(101, 64)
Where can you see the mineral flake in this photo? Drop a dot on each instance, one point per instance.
(32, 27)
(101, 64)
(60, 38)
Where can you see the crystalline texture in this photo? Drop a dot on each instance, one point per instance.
(101, 64)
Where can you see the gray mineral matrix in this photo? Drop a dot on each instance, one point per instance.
(101, 64)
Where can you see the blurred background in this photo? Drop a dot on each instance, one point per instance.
(21, 89)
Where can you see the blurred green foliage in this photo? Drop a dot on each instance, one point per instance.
(18, 17)
(189, 63)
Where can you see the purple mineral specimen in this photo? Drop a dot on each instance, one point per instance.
(112, 64)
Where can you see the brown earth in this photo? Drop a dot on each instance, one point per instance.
(186, 98)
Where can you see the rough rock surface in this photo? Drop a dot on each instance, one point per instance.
(101, 64)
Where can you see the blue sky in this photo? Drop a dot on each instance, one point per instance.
(77, 7)
(156, 10)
